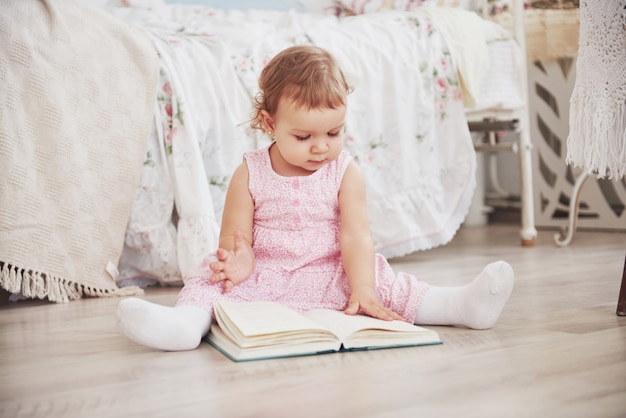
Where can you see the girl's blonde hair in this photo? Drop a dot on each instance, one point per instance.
(308, 75)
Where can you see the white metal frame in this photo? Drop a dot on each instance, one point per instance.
(528, 231)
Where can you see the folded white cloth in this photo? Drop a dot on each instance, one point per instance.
(467, 35)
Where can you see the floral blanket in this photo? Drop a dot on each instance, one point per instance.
(405, 127)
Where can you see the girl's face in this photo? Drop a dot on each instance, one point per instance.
(306, 139)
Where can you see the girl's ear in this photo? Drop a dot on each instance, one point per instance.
(268, 121)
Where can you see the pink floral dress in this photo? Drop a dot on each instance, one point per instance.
(296, 246)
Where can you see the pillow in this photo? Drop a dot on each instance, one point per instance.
(243, 4)
(370, 6)
(496, 7)
(329, 7)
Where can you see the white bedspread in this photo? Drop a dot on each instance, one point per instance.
(406, 127)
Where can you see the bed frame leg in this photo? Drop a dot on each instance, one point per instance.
(528, 232)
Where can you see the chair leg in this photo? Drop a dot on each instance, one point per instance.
(621, 300)
(4, 297)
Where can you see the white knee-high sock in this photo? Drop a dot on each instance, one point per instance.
(162, 327)
(476, 305)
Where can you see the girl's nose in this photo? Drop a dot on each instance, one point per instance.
(319, 146)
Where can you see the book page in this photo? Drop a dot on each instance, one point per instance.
(263, 323)
(255, 330)
(223, 343)
(360, 331)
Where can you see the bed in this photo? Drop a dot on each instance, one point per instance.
(418, 80)
(407, 124)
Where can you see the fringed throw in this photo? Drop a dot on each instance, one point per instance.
(597, 138)
(77, 96)
(38, 285)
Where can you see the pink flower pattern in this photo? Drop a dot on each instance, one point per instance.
(170, 110)
(446, 87)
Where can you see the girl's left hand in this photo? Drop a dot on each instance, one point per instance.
(234, 266)
(368, 304)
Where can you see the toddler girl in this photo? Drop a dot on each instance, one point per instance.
(295, 227)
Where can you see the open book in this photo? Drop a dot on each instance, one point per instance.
(262, 330)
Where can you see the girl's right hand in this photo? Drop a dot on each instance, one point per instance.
(367, 303)
(233, 266)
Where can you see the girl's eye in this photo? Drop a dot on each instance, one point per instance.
(302, 138)
(333, 133)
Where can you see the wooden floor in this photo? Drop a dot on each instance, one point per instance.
(559, 350)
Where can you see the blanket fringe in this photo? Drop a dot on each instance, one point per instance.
(40, 285)
(597, 141)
